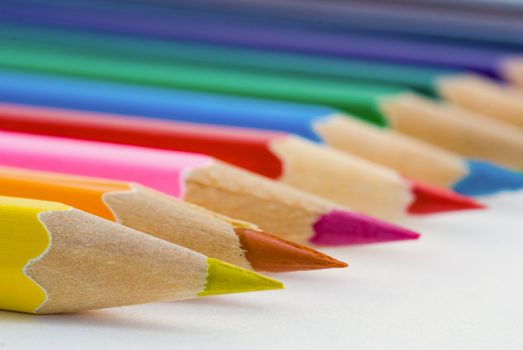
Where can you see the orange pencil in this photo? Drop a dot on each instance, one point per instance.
(143, 209)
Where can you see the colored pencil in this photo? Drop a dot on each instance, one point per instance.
(201, 180)
(433, 165)
(495, 25)
(485, 96)
(347, 180)
(242, 32)
(143, 209)
(58, 259)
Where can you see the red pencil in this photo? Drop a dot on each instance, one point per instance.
(345, 179)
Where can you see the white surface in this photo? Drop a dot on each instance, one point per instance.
(459, 287)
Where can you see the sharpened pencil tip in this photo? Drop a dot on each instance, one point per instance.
(225, 278)
(266, 252)
(345, 228)
(485, 178)
(430, 200)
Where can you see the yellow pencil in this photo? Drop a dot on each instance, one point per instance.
(59, 259)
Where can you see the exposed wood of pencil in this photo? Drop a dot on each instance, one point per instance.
(407, 155)
(297, 215)
(343, 178)
(233, 241)
(513, 70)
(458, 130)
(275, 208)
(187, 225)
(94, 263)
(485, 96)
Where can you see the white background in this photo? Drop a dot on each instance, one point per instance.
(459, 287)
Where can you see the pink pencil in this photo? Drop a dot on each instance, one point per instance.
(202, 180)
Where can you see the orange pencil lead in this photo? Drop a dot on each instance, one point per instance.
(266, 252)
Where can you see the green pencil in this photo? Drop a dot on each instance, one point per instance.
(419, 79)
(357, 99)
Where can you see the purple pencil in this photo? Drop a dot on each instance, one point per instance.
(215, 29)
(495, 26)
